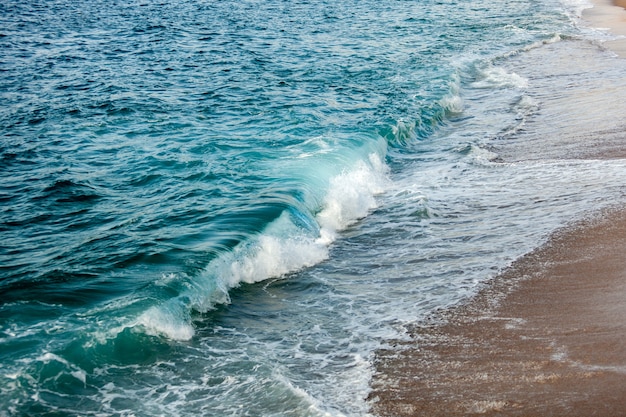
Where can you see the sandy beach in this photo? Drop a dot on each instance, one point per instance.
(547, 337)
(609, 15)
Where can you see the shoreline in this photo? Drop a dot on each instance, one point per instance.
(546, 337)
(609, 15)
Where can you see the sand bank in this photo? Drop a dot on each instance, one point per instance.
(548, 338)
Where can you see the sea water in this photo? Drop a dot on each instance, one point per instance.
(222, 208)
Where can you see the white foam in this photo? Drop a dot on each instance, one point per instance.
(76, 371)
(276, 257)
(554, 39)
(351, 197)
(315, 405)
(482, 156)
(452, 102)
(50, 357)
(497, 77)
(80, 375)
(166, 279)
(166, 320)
(527, 104)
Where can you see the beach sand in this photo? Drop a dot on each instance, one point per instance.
(609, 15)
(547, 337)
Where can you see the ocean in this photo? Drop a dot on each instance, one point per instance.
(224, 208)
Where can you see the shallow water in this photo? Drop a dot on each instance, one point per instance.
(225, 208)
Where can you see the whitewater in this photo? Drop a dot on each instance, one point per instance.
(225, 208)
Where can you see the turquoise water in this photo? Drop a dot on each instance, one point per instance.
(223, 208)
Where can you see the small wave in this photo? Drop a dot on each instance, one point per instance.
(68, 191)
(497, 77)
(452, 103)
(286, 245)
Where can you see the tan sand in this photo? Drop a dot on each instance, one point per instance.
(555, 344)
(610, 15)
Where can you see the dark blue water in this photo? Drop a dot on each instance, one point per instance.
(224, 208)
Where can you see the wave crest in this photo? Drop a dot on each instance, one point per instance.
(283, 247)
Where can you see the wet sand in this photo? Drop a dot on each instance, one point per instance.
(546, 338)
